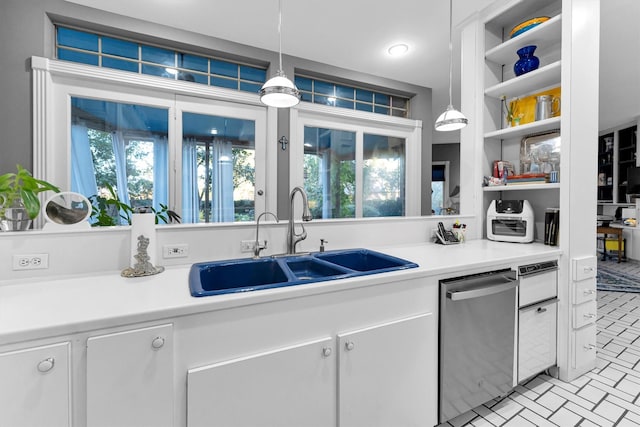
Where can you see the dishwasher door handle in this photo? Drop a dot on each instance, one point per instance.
(481, 292)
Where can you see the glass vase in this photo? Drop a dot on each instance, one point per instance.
(14, 217)
(527, 62)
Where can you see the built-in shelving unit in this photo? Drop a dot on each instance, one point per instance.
(543, 77)
(520, 187)
(539, 126)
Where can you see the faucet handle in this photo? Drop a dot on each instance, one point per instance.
(259, 247)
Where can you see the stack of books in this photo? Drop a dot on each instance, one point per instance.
(531, 178)
(551, 224)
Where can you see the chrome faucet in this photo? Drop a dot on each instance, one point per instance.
(292, 237)
(258, 247)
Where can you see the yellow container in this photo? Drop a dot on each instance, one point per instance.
(612, 245)
(526, 107)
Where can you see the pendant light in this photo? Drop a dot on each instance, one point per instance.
(451, 119)
(279, 91)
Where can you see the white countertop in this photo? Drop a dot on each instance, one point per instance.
(60, 306)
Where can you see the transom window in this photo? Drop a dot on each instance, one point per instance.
(338, 95)
(126, 55)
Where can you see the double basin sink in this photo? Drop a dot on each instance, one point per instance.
(248, 274)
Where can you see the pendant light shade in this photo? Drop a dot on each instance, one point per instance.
(451, 119)
(279, 91)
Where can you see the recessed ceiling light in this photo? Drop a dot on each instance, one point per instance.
(398, 49)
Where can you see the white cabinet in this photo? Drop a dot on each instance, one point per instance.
(130, 378)
(536, 338)
(290, 386)
(381, 375)
(35, 387)
(386, 374)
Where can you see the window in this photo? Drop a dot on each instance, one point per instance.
(121, 148)
(126, 55)
(355, 168)
(338, 95)
(218, 164)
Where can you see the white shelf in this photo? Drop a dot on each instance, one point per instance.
(520, 187)
(543, 36)
(526, 129)
(543, 77)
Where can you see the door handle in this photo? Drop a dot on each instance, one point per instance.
(481, 292)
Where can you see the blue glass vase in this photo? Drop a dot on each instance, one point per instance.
(527, 62)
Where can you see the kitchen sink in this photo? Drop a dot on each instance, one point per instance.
(249, 274)
(365, 260)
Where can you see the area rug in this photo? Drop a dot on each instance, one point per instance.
(623, 277)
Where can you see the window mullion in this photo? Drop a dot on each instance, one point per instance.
(359, 173)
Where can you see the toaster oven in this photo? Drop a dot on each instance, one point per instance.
(510, 221)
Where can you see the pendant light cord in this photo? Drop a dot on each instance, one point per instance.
(450, 50)
(280, 35)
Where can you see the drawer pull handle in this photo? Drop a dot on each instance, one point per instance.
(349, 345)
(46, 365)
(541, 310)
(589, 291)
(589, 316)
(589, 347)
(326, 351)
(157, 343)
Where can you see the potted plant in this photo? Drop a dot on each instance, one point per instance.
(19, 203)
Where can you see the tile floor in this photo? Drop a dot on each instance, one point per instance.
(606, 396)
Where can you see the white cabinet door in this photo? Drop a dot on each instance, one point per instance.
(388, 374)
(34, 387)
(536, 339)
(130, 378)
(291, 386)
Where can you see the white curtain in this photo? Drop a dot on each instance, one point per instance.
(190, 197)
(83, 176)
(160, 172)
(120, 154)
(222, 209)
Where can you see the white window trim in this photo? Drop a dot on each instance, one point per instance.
(52, 165)
(307, 114)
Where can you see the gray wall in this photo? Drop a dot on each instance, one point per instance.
(26, 30)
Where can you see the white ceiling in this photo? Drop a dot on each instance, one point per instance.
(355, 34)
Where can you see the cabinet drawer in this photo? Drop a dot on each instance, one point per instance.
(536, 339)
(585, 347)
(584, 314)
(584, 290)
(537, 287)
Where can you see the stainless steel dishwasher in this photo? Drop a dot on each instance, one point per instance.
(477, 340)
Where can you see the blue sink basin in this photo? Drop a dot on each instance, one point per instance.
(364, 260)
(248, 274)
(311, 269)
(211, 278)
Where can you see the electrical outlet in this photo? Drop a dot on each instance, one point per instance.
(250, 245)
(180, 250)
(31, 262)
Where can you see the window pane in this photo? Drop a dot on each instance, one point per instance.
(382, 99)
(329, 172)
(364, 107)
(156, 71)
(118, 47)
(250, 87)
(193, 77)
(222, 82)
(253, 74)
(120, 64)
(324, 88)
(158, 56)
(383, 176)
(344, 92)
(77, 39)
(342, 103)
(74, 56)
(119, 147)
(364, 95)
(224, 68)
(437, 197)
(218, 168)
(193, 62)
(303, 83)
